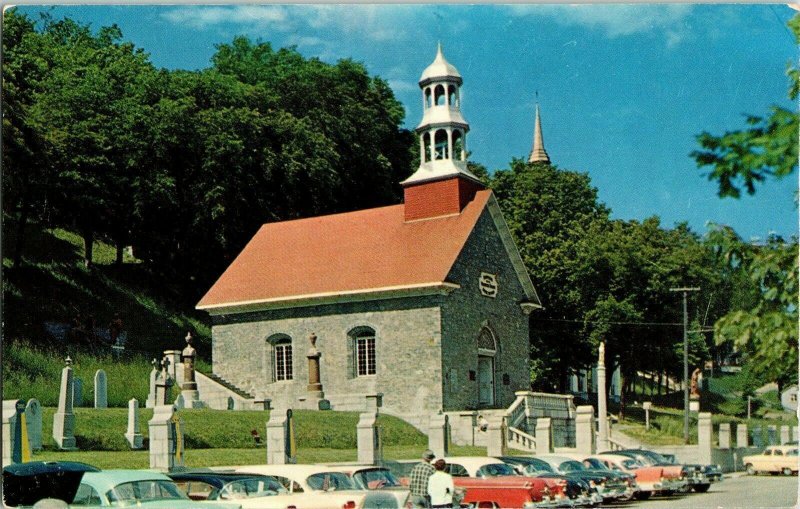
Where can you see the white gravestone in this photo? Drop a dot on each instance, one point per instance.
(9, 423)
(166, 439)
(100, 389)
(280, 438)
(133, 435)
(33, 417)
(64, 419)
(154, 376)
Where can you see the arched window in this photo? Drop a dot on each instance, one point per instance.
(458, 145)
(281, 357)
(438, 95)
(486, 340)
(361, 346)
(440, 143)
(427, 97)
(426, 147)
(452, 97)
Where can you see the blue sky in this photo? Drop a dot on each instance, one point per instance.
(623, 89)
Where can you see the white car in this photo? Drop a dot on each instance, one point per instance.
(777, 458)
(370, 477)
(323, 480)
(649, 479)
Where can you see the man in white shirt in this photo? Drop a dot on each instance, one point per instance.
(440, 487)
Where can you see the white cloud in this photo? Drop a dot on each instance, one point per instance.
(615, 20)
(254, 16)
(402, 85)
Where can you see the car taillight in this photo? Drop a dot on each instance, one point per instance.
(349, 505)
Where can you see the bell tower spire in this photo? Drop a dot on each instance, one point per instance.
(442, 183)
(538, 153)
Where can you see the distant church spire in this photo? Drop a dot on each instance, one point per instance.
(538, 153)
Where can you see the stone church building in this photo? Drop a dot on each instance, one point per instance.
(426, 302)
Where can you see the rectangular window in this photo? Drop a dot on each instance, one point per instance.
(283, 362)
(365, 355)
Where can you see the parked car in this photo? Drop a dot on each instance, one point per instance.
(368, 477)
(774, 459)
(323, 480)
(699, 477)
(605, 485)
(140, 488)
(25, 484)
(483, 467)
(650, 479)
(578, 489)
(252, 491)
(616, 476)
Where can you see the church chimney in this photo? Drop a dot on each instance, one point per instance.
(442, 185)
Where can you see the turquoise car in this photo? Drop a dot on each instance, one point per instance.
(135, 488)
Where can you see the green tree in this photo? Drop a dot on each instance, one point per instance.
(765, 329)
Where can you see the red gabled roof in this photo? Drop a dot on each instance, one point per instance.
(353, 252)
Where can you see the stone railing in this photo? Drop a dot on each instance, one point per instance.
(518, 439)
(515, 415)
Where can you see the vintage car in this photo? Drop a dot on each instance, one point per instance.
(578, 489)
(252, 491)
(25, 484)
(775, 459)
(482, 467)
(140, 488)
(699, 477)
(604, 486)
(322, 480)
(615, 476)
(368, 477)
(651, 480)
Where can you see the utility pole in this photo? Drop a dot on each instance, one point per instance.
(685, 360)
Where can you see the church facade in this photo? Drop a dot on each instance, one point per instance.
(426, 302)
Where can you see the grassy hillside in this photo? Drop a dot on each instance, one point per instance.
(51, 288)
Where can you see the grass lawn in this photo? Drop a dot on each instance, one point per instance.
(252, 456)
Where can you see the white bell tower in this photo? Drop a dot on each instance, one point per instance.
(443, 129)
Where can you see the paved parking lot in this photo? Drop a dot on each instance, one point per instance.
(738, 491)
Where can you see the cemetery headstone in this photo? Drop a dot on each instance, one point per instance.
(189, 393)
(133, 435)
(154, 375)
(281, 445)
(9, 425)
(64, 418)
(100, 389)
(33, 416)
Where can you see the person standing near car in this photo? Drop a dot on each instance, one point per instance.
(418, 484)
(441, 487)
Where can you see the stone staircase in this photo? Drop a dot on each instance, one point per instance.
(241, 392)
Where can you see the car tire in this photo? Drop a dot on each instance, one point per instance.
(749, 469)
(643, 495)
(701, 488)
(668, 493)
(787, 471)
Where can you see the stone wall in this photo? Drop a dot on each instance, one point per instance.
(408, 356)
(466, 311)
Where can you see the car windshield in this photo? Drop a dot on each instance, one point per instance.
(133, 493)
(537, 467)
(329, 481)
(496, 470)
(571, 466)
(249, 488)
(375, 479)
(595, 464)
(630, 464)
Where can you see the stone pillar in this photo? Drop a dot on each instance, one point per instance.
(164, 382)
(439, 435)
(9, 426)
(77, 391)
(173, 358)
(704, 434)
(368, 438)
(33, 417)
(314, 386)
(133, 435)
(602, 412)
(281, 448)
(100, 389)
(496, 436)
(784, 435)
(725, 435)
(189, 393)
(64, 419)
(615, 385)
(742, 437)
(544, 436)
(584, 430)
(646, 406)
(166, 439)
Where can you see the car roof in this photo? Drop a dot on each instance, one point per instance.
(104, 480)
(286, 470)
(352, 469)
(216, 478)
